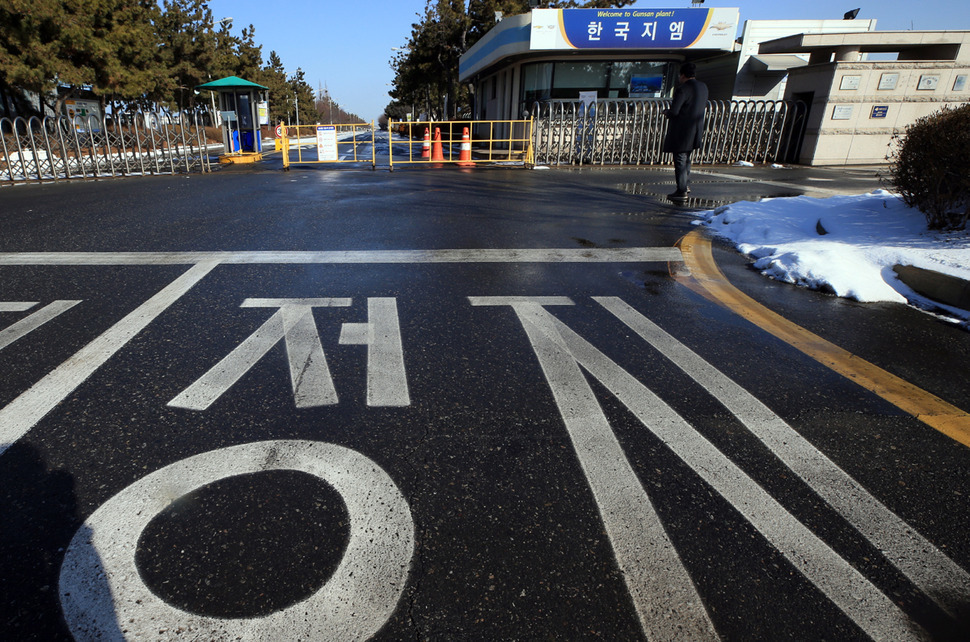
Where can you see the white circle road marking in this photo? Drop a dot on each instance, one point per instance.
(104, 597)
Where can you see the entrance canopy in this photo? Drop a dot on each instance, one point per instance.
(229, 83)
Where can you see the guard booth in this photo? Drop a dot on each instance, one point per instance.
(243, 108)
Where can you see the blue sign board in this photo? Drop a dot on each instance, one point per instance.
(633, 28)
(642, 29)
(879, 111)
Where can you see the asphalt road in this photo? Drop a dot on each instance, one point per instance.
(334, 403)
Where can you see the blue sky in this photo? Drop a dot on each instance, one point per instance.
(347, 45)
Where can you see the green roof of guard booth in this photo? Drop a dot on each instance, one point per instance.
(231, 82)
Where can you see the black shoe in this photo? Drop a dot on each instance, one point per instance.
(677, 196)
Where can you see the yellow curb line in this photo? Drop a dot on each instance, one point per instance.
(925, 406)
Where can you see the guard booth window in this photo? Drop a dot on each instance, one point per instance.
(609, 79)
(245, 112)
(536, 83)
(640, 80)
(570, 78)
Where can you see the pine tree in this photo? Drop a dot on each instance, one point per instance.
(187, 50)
(281, 93)
(304, 94)
(122, 49)
(36, 42)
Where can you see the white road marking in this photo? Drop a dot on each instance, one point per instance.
(329, 302)
(791, 186)
(309, 373)
(925, 565)
(293, 323)
(663, 594)
(16, 306)
(28, 324)
(30, 407)
(103, 596)
(870, 609)
(387, 383)
(566, 255)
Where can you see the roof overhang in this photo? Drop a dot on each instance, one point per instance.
(868, 42)
(231, 82)
(770, 63)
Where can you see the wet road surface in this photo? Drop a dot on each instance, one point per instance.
(339, 403)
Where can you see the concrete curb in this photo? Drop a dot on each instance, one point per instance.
(944, 288)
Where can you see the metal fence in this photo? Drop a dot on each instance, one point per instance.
(631, 132)
(35, 149)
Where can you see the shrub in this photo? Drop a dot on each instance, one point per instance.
(930, 167)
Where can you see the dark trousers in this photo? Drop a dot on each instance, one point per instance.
(682, 170)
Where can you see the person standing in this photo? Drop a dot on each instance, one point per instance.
(685, 132)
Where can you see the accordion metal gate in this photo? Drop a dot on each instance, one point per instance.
(631, 132)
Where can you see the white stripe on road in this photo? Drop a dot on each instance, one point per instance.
(309, 372)
(848, 589)
(16, 306)
(565, 255)
(663, 594)
(791, 186)
(30, 407)
(102, 592)
(329, 302)
(925, 565)
(11, 333)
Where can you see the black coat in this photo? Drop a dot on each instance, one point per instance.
(686, 114)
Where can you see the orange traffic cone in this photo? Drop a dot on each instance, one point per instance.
(465, 157)
(437, 154)
(426, 148)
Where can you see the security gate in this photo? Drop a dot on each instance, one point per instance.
(333, 143)
(631, 132)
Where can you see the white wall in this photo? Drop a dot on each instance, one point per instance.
(748, 85)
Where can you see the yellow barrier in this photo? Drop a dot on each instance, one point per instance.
(329, 143)
(491, 141)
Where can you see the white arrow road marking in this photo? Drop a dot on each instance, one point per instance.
(103, 596)
(924, 564)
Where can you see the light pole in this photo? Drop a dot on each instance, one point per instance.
(226, 24)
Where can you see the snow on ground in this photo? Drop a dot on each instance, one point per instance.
(845, 244)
